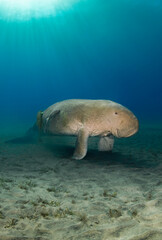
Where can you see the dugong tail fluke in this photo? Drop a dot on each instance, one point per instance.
(34, 133)
(30, 136)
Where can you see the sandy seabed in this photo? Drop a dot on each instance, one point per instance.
(45, 195)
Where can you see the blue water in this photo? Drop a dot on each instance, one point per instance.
(92, 49)
(95, 49)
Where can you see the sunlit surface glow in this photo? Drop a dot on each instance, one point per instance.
(26, 9)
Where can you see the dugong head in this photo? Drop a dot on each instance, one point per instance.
(123, 122)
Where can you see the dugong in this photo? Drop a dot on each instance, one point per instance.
(84, 118)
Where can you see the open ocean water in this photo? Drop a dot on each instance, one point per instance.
(80, 49)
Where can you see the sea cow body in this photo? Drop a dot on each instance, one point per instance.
(84, 118)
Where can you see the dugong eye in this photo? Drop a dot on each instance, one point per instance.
(116, 113)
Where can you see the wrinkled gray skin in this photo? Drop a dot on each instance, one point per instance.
(84, 118)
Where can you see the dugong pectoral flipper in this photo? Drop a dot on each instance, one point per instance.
(106, 143)
(81, 144)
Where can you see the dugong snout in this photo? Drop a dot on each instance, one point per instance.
(129, 129)
(135, 128)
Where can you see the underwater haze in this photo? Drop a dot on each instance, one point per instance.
(53, 50)
(89, 49)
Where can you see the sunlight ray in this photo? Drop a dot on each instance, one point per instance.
(26, 9)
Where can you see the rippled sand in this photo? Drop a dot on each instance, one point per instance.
(44, 194)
